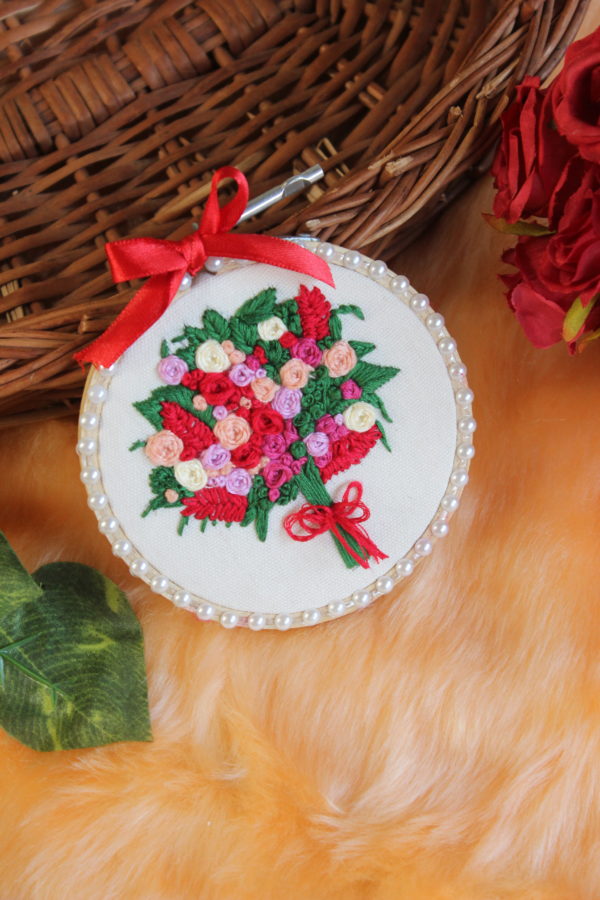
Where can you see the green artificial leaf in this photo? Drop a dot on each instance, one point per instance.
(576, 317)
(587, 339)
(371, 377)
(361, 348)
(71, 658)
(347, 308)
(383, 437)
(259, 307)
(164, 349)
(243, 335)
(215, 325)
(534, 229)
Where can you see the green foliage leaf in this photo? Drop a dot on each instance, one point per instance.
(161, 479)
(164, 349)
(259, 307)
(288, 313)
(243, 335)
(535, 229)
(347, 308)
(137, 445)
(215, 325)
(383, 437)
(371, 377)
(175, 393)
(576, 317)
(192, 334)
(375, 400)
(277, 354)
(361, 348)
(335, 326)
(71, 658)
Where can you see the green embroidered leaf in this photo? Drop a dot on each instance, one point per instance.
(188, 355)
(277, 354)
(383, 437)
(174, 393)
(137, 445)
(370, 377)
(164, 349)
(262, 523)
(243, 335)
(258, 308)
(71, 658)
(192, 334)
(361, 348)
(183, 521)
(335, 326)
(215, 325)
(375, 400)
(347, 308)
(289, 491)
(161, 479)
(288, 313)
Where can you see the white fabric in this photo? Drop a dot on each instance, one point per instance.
(230, 566)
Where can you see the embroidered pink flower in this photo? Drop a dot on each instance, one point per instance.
(171, 495)
(232, 431)
(239, 482)
(322, 461)
(274, 494)
(308, 351)
(253, 362)
(172, 369)
(276, 473)
(199, 403)
(219, 412)
(264, 389)
(287, 402)
(317, 443)
(216, 481)
(228, 347)
(340, 359)
(241, 374)
(274, 445)
(350, 390)
(163, 448)
(294, 374)
(236, 357)
(215, 456)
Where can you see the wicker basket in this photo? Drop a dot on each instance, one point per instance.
(115, 113)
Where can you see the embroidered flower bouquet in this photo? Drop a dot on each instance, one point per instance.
(260, 408)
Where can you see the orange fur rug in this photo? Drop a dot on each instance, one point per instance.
(443, 744)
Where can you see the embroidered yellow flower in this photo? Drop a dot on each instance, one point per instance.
(210, 357)
(191, 474)
(271, 329)
(360, 416)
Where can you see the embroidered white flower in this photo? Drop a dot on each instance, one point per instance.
(360, 416)
(271, 329)
(191, 474)
(210, 357)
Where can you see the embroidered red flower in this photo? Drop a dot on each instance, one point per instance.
(219, 390)
(215, 503)
(288, 339)
(195, 434)
(314, 311)
(266, 421)
(349, 450)
(249, 455)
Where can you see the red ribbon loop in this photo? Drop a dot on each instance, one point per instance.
(165, 263)
(342, 518)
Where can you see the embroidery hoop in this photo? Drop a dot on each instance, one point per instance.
(209, 609)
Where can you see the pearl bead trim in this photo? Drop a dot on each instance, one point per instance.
(96, 392)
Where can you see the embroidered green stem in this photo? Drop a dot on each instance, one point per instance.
(315, 491)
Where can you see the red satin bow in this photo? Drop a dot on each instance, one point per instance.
(166, 262)
(341, 519)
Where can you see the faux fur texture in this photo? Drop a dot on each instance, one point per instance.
(441, 745)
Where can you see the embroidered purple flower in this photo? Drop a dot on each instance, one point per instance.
(215, 457)
(260, 373)
(239, 481)
(274, 445)
(220, 412)
(351, 390)
(216, 481)
(287, 402)
(241, 374)
(172, 369)
(308, 351)
(276, 473)
(317, 443)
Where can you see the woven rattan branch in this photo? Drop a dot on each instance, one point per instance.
(115, 114)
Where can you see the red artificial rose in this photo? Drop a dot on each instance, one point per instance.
(219, 390)
(531, 157)
(288, 339)
(541, 319)
(249, 454)
(266, 421)
(576, 96)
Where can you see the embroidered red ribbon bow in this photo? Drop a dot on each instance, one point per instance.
(343, 519)
(166, 262)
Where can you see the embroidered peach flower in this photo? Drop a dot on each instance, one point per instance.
(236, 357)
(191, 474)
(264, 389)
(232, 431)
(163, 448)
(294, 374)
(271, 329)
(340, 359)
(359, 417)
(210, 357)
(199, 403)
(228, 347)
(171, 495)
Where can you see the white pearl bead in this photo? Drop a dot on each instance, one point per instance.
(138, 567)
(465, 451)
(106, 526)
(159, 584)
(108, 369)
(440, 529)
(97, 393)
(384, 584)
(467, 425)
(362, 598)
(229, 619)
(457, 370)
(419, 302)
(181, 598)
(434, 321)
(282, 622)
(256, 622)
(88, 420)
(399, 284)
(325, 250)
(90, 476)
(404, 567)
(336, 609)
(121, 548)
(423, 547)
(459, 478)
(464, 397)
(213, 264)
(86, 446)
(311, 616)
(449, 503)
(446, 345)
(186, 282)
(352, 259)
(205, 612)
(377, 268)
(97, 501)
